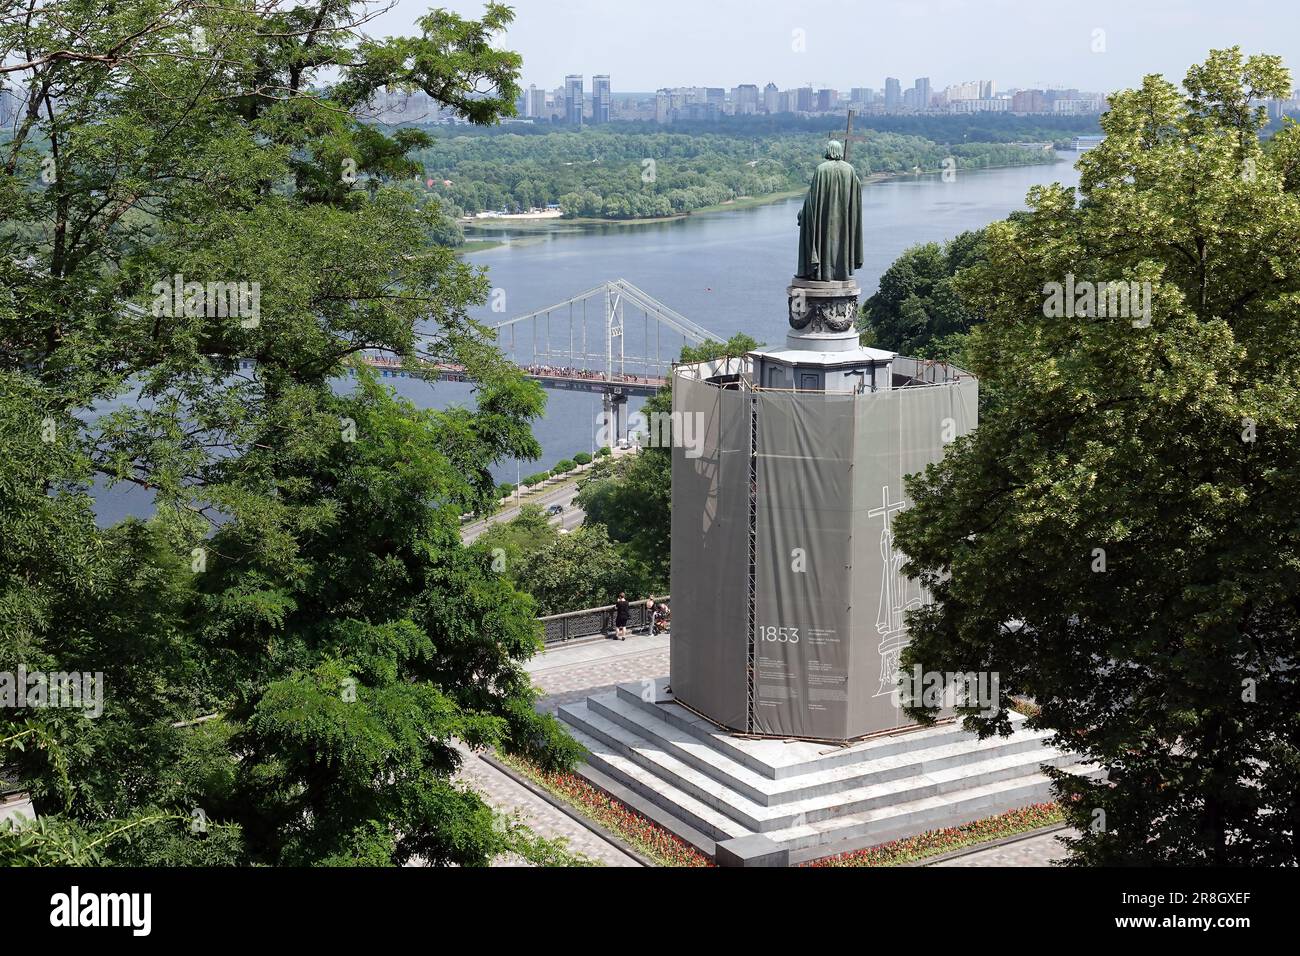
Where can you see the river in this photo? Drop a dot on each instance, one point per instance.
(725, 270)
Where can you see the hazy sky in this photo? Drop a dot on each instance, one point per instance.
(646, 44)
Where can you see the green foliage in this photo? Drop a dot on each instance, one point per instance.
(582, 458)
(562, 572)
(916, 307)
(527, 532)
(1118, 540)
(302, 578)
(582, 569)
(562, 467)
(603, 174)
(603, 451)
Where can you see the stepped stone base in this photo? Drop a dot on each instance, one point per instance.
(805, 799)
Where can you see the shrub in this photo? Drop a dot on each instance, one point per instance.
(562, 467)
(604, 450)
(582, 458)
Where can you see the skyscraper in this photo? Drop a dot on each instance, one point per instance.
(771, 98)
(573, 97)
(663, 107)
(893, 94)
(600, 98)
(744, 99)
(537, 103)
(922, 93)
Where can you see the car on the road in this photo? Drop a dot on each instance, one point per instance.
(554, 510)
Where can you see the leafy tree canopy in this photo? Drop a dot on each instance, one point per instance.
(1118, 539)
(291, 644)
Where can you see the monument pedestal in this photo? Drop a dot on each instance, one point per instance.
(817, 306)
(805, 799)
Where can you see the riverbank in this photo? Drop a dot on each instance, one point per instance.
(742, 202)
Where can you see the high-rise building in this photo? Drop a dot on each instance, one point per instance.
(573, 97)
(922, 88)
(771, 98)
(862, 95)
(804, 99)
(537, 104)
(744, 99)
(893, 94)
(663, 107)
(600, 98)
(827, 100)
(1029, 101)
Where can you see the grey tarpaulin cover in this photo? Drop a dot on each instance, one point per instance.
(710, 518)
(829, 598)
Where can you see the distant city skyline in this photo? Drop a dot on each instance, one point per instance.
(1030, 44)
(574, 104)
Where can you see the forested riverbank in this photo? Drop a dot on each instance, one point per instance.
(621, 176)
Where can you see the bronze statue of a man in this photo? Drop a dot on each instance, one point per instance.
(830, 223)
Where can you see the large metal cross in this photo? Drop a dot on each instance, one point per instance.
(848, 135)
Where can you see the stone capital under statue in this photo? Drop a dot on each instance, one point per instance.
(830, 223)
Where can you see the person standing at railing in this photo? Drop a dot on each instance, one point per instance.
(621, 612)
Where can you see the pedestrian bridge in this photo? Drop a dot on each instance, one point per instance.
(613, 339)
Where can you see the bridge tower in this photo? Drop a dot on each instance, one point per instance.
(614, 405)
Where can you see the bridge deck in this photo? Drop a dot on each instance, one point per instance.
(575, 380)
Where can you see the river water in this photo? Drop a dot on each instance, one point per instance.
(726, 271)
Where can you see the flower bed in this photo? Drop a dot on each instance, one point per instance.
(661, 846)
(936, 842)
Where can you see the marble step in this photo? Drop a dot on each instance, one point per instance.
(910, 817)
(928, 813)
(778, 759)
(715, 825)
(927, 756)
(656, 760)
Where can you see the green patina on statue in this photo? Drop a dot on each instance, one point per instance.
(830, 223)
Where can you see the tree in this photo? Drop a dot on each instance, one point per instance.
(302, 581)
(527, 533)
(574, 571)
(916, 309)
(1117, 539)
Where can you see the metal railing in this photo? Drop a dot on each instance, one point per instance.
(596, 621)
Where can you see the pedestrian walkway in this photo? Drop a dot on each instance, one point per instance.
(509, 797)
(566, 674)
(1040, 850)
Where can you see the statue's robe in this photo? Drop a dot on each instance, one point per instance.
(830, 224)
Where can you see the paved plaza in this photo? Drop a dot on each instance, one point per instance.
(1033, 851)
(503, 793)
